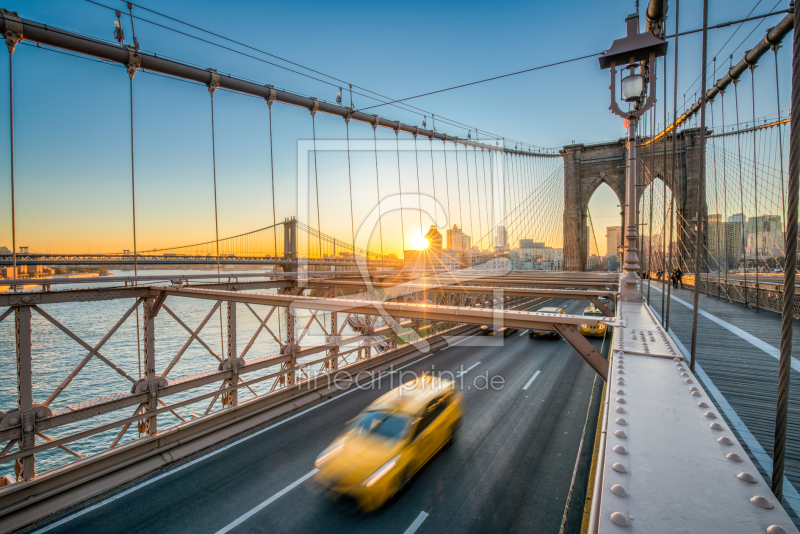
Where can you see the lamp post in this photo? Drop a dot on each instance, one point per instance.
(637, 53)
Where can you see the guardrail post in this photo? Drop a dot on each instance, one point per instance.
(291, 345)
(333, 363)
(150, 426)
(368, 343)
(26, 466)
(232, 398)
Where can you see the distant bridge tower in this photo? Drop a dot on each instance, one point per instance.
(290, 238)
(586, 167)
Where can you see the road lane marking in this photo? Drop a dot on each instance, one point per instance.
(523, 333)
(266, 503)
(465, 371)
(463, 340)
(217, 451)
(531, 380)
(417, 522)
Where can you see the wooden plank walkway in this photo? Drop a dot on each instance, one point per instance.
(745, 375)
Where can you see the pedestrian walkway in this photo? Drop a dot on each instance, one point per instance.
(737, 362)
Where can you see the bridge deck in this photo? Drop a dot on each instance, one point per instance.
(737, 363)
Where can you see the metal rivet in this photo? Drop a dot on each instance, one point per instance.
(619, 519)
(747, 477)
(620, 382)
(40, 414)
(684, 374)
(758, 500)
(620, 372)
(702, 404)
(676, 359)
(688, 381)
(619, 468)
(619, 409)
(776, 529)
(725, 440)
(620, 421)
(28, 428)
(716, 426)
(693, 388)
(621, 400)
(14, 421)
(620, 392)
(620, 434)
(696, 394)
(733, 457)
(620, 449)
(619, 366)
(710, 415)
(619, 490)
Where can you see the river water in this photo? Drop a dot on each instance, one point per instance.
(55, 355)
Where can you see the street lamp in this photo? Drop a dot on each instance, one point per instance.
(636, 52)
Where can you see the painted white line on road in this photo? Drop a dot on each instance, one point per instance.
(753, 340)
(468, 369)
(456, 343)
(790, 493)
(217, 451)
(531, 380)
(417, 522)
(254, 511)
(524, 332)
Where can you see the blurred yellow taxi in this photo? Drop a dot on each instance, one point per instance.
(593, 331)
(552, 333)
(387, 443)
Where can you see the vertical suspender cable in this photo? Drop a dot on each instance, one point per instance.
(477, 191)
(433, 175)
(400, 185)
(725, 201)
(700, 192)
(664, 236)
(211, 90)
(716, 189)
(350, 183)
(316, 178)
(135, 251)
(378, 187)
(469, 194)
(447, 188)
(673, 162)
(13, 197)
(272, 179)
(787, 317)
(651, 186)
(458, 181)
(419, 189)
(780, 139)
(741, 188)
(755, 174)
(486, 192)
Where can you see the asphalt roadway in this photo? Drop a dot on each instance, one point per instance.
(509, 471)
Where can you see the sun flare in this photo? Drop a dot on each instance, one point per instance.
(420, 243)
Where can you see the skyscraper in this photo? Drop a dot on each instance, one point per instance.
(457, 239)
(613, 240)
(434, 238)
(501, 239)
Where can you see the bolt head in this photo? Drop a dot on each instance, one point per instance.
(716, 426)
(732, 456)
(621, 400)
(619, 409)
(620, 434)
(28, 428)
(619, 468)
(619, 519)
(620, 421)
(14, 420)
(747, 477)
(710, 415)
(725, 440)
(620, 449)
(702, 404)
(688, 381)
(696, 394)
(620, 392)
(619, 490)
(40, 414)
(763, 502)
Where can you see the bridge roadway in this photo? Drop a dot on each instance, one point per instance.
(509, 471)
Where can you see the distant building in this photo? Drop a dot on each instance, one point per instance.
(537, 259)
(23, 250)
(613, 240)
(530, 243)
(501, 239)
(5, 250)
(457, 239)
(765, 236)
(725, 243)
(434, 238)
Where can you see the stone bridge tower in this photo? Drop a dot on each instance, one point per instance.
(586, 167)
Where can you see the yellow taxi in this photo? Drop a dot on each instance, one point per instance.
(387, 443)
(552, 311)
(593, 331)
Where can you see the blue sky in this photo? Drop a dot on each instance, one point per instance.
(72, 115)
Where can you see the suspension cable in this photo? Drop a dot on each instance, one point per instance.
(272, 180)
(13, 197)
(400, 185)
(419, 190)
(755, 175)
(741, 191)
(673, 163)
(135, 251)
(780, 135)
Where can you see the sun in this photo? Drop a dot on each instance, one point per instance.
(420, 243)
